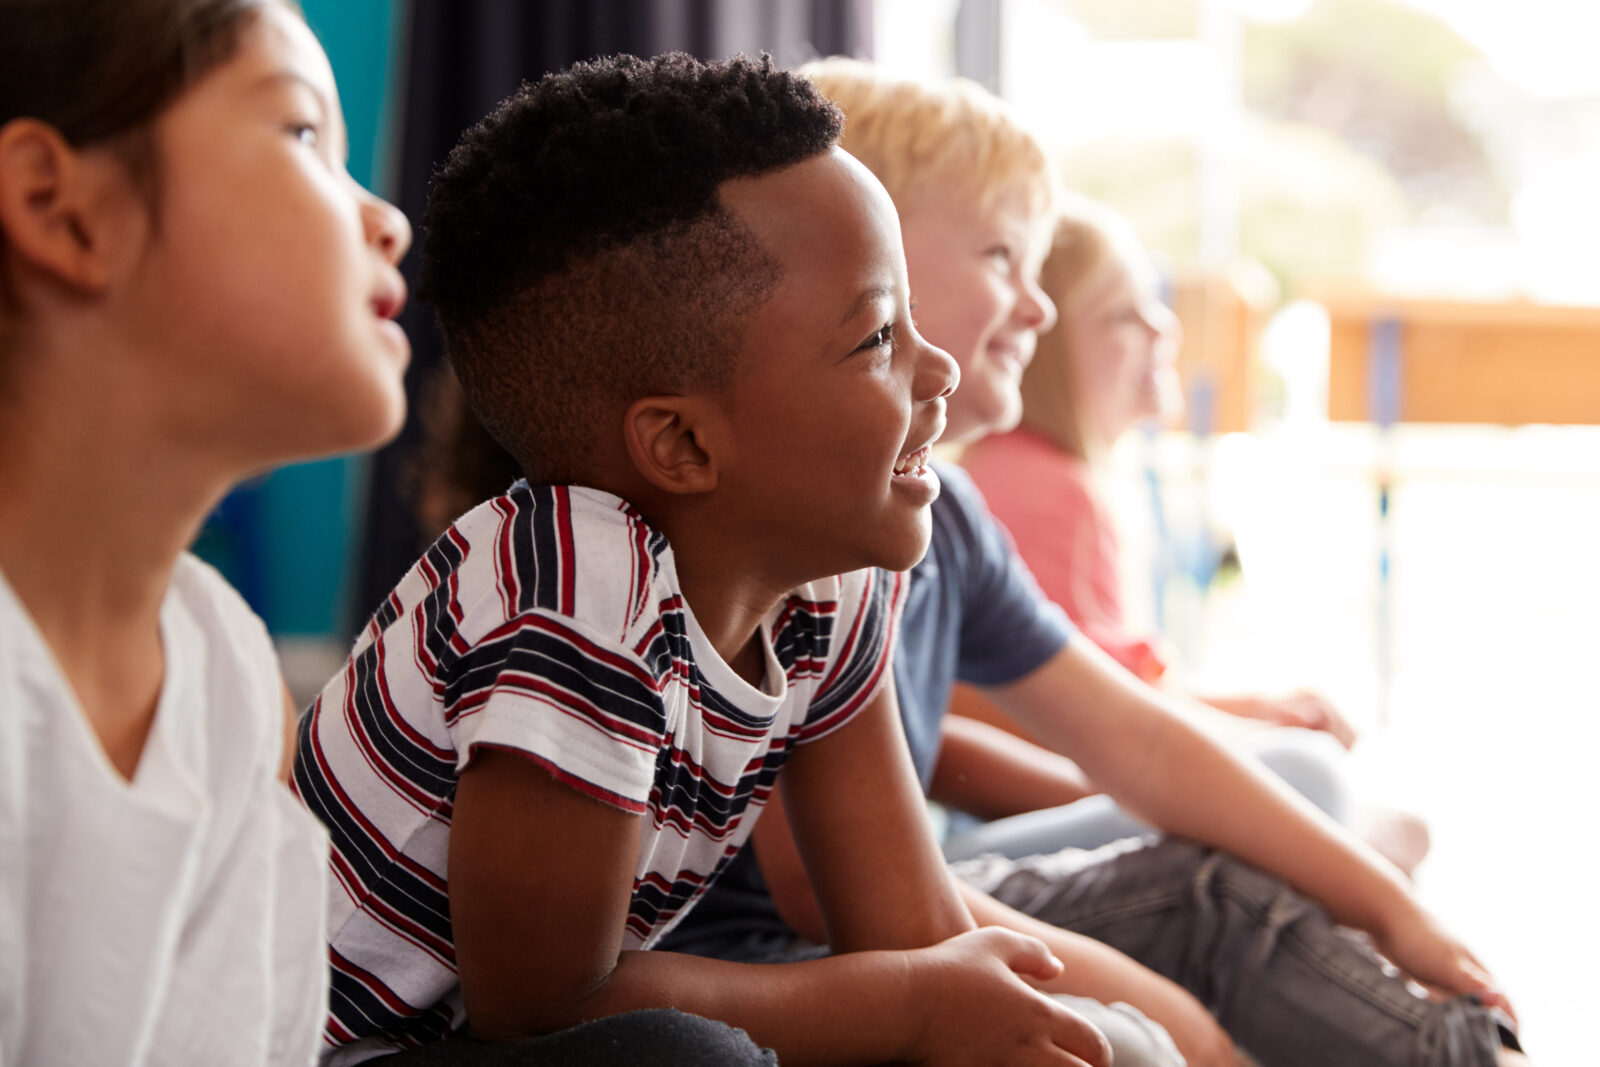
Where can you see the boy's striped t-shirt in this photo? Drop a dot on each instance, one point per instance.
(549, 621)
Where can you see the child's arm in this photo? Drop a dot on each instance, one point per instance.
(1090, 968)
(1134, 744)
(1093, 969)
(540, 880)
(990, 773)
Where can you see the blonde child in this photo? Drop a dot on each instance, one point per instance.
(192, 289)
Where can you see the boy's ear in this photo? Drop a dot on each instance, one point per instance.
(672, 442)
(49, 196)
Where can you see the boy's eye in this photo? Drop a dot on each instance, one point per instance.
(1000, 254)
(884, 336)
(304, 132)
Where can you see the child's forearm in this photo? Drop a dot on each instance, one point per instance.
(1229, 801)
(993, 774)
(948, 1004)
(858, 1008)
(1136, 745)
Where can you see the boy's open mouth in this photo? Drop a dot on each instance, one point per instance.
(912, 463)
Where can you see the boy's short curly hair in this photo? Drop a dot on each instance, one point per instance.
(577, 253)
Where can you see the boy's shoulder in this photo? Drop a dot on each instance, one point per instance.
(558, 550)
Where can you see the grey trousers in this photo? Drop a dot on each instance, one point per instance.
(1291, 987)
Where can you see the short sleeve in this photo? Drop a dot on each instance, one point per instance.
(583, 707)
(858, 662)
(1009, 628)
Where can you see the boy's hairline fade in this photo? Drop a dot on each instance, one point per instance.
(578, 252)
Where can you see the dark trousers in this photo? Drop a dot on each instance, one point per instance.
(655, 1038)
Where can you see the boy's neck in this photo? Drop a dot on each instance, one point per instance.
(728, 606)
(725, 583)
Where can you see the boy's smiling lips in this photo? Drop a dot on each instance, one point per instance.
(911, 470)
(913, 462)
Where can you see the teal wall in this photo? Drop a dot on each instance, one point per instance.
(289, 541)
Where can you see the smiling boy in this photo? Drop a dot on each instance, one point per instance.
(685, 312)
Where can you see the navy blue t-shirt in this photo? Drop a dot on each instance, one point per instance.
(973, 614)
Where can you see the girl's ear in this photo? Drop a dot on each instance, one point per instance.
(52, 202)
(672, 441)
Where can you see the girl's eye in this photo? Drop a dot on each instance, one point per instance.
(1001, 254)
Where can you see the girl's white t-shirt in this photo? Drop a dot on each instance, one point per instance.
(177, 918)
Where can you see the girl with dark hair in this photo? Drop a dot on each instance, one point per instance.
(192, 290)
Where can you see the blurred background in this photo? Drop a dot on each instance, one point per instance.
(1379, 225)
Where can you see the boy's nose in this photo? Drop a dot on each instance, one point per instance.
(937, 374)
(1035, 309)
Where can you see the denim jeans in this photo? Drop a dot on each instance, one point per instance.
(1291, 987)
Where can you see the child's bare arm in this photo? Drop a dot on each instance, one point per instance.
(540, 879)
(860, 833)
(1146, 754)
(861, 827)
(992, 774)
(1090, 968)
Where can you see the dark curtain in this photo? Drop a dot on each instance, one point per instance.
(465, 55)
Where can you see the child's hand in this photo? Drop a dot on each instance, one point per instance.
(1302, 708)
(1422, 949)
(980, 1011)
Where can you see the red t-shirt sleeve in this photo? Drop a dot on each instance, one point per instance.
(1047, 501)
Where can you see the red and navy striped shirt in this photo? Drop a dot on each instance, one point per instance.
(549, 621)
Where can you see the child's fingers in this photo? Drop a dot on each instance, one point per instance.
(1074, 1034)
(1026, 956)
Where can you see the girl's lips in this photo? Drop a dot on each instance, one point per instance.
(390, 298)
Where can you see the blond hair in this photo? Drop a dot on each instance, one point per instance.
(1090, 240)
(915, 135)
